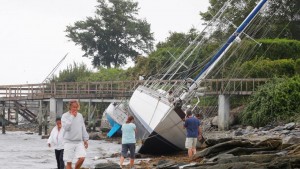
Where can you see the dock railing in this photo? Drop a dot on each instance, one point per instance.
(114, 89)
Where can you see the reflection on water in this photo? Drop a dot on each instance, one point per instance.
(19, 150)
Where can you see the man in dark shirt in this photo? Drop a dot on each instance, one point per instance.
(193, 131)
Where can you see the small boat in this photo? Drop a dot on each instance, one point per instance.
(116, 116)
(158, 118)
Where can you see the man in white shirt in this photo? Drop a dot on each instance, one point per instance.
(75, 135)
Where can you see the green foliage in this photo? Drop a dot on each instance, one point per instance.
(73, 73)
(279, 48)
(112, 74)
(176, 39)
(165, 54)
(114, 35)
(297, 66)
(285, 20)
(266, 68)
(276, 101)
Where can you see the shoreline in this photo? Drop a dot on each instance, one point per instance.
(286, 134)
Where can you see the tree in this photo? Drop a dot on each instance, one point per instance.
(276, 101)
(285, 15)
(113, 35)
(73, 73)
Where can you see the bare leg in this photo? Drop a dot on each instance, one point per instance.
(131, 162)
(194, 151)
(121, 160)
(79, 162)
(190, 152)
(69, 165)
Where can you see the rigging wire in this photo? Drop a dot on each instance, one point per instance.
(54, 69)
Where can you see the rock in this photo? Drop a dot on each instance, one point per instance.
(237, 165)
(166, 164)
(291, 140)
(285, 131)
(45, 136)
(271, 143)
(248, 129)
(238, 133)
(29, 133)
(257, 158)
(290, 126)
(212, 142)
(278, 128)
(107, 165)
(218, 157)
(95, 136)
(211, 151)
(285, 162)
(214, 121)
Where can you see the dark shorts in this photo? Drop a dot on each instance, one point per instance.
(130, 147)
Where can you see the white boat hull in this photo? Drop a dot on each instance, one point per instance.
(117, 113)
(159, 127)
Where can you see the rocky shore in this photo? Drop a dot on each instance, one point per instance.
(241, 147)
(270, 147)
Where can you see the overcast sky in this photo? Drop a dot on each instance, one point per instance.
(32, 37)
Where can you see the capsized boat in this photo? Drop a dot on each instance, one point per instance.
(116, 115)
(159, 120)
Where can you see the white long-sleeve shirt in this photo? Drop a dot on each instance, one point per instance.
(56, 138)
(74, 127)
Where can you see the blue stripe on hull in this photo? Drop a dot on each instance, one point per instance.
(116, 128)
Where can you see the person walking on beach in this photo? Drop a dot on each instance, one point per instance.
(56, 139)
(128, 141)
(193, 131)
(75, 135)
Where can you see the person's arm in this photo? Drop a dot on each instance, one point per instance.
(200, 131)
(135, 129)
(66, 122)
(85, 135)
(50, 138)
(184, 124)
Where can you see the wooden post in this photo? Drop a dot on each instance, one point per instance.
(8, 113)
(17, 115)
(3, 120)
(40, 118)
(45, 115)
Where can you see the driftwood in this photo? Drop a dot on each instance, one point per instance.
(211, 151)
(238, 165)
(261, 162)
(246, 151)
(263, 158)
(293, 161)
(295, 151)
(291, 147)
(285, 162)
(212, 142)
(272, 143)
(167, 164)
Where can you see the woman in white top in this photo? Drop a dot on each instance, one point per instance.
(56, 139)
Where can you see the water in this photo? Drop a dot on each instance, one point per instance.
(20, 150)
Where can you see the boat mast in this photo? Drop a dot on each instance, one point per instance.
(212, 63)
(191, 46)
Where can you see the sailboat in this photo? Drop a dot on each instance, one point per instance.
(159, 121)
(116, 115)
